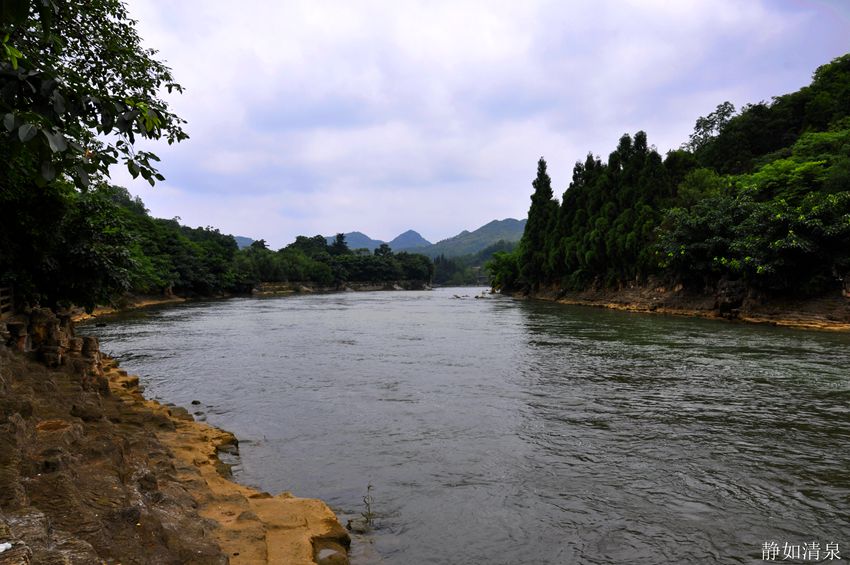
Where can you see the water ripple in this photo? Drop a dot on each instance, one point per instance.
(502, 431)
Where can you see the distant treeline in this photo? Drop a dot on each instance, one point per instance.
(60, 245)
(761, 196)
(313, 259)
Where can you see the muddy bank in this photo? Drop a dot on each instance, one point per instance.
(92, 472)
(729, 301)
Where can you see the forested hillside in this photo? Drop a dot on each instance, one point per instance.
(760, 196)
(468, 243)
(89, 247)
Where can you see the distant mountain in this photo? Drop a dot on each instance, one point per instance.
(358, 240)
(408, 240)
(242, 241)
(464, 243)
(468, 243)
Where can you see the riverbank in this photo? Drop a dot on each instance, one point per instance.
(252, 526)
(288, 288)
(92, 472)
(136, 302)
(130, 302)
(729, 302)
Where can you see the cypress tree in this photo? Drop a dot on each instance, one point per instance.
(533, 248)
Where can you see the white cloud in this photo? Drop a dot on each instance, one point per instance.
(312, 117)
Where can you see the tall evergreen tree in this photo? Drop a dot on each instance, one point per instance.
(762, 197)
(542, 215)
(339, 246)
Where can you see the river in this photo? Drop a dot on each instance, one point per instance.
(501, 431)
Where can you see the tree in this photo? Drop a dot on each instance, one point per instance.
(504, 271)
(312, 247)
(415, 267)
(699, 184)
(76, 91)
(61, 246)
(383, 250)
(339, 246)
(541, 217)
(710, 126)
(77, 88)
(748, 139)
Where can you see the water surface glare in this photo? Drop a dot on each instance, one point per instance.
(507, 432)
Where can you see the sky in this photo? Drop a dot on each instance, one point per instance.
(320, 117)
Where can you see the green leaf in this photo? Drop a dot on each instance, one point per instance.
(122, 125)
(9, 121)
(58, 103)
(56, 141)
(48, 171)
(107, 120)
(26, 132)
(83, 175)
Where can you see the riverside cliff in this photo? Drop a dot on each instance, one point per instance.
(92, 472)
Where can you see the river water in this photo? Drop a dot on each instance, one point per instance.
(500, 431)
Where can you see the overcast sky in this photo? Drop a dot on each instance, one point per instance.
(321, 117)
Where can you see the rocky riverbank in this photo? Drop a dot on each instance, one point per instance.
(729, 301)
(92, 472)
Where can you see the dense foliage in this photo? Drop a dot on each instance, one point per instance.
(761, 196)
(77, 88)
(61, 245)
(87, 248)
(312, 259)
(783, 227)
(76, 91)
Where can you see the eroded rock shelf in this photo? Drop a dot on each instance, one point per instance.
(92, 472)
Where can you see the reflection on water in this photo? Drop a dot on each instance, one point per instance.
(502, 431)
